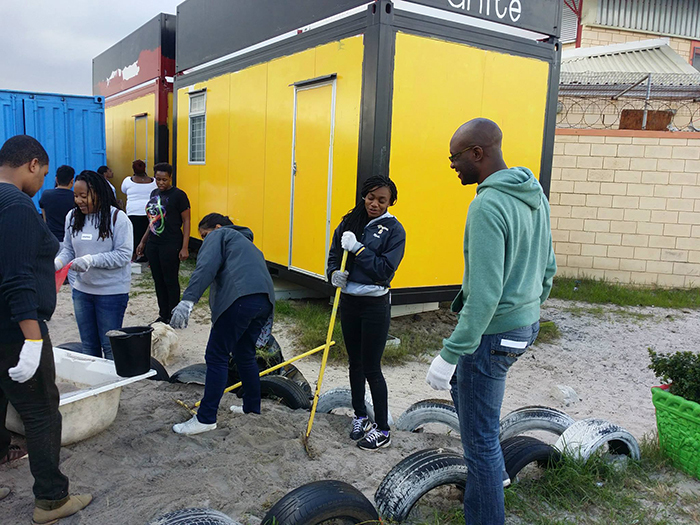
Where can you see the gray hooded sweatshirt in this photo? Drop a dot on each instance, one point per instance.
(233, 266)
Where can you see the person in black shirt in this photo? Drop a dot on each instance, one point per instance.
(27, 301)
(167, 238)
(55, 204)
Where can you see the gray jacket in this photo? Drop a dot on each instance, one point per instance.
(111, 269)
(233, 266)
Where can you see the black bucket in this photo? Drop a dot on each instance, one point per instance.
(132, 351)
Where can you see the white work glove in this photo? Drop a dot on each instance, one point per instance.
(339, 279)
(181, 314)
(82, 264)
(29, 358)
(57, 264)
(440, 373)
(349, 242)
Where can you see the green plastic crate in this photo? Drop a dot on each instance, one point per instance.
(678, 421)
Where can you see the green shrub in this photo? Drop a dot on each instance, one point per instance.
(682, 369)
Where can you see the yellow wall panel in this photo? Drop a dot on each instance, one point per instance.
(247, 173)
(345, 58)
(246, 176)
(188, 175)
(278, 155)
(213, 181)
(119, 129)
(437, 87)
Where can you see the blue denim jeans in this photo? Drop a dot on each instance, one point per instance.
(477, 391)
(234, 333)
(96, 315)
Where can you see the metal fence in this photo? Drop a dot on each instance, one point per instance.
(629, 101)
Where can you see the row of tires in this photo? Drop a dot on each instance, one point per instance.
(418, 474)
(579, 439)
(411, 479)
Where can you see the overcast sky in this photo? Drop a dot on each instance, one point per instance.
(48, 45)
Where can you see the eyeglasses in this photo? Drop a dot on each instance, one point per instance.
(456, 155)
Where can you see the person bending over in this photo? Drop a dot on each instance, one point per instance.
(242, 299)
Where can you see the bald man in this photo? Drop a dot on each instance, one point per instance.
(508, 270)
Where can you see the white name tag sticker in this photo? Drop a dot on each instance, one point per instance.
(86, 237)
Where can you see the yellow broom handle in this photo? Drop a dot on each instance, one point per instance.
(276, 367)
(327, 347)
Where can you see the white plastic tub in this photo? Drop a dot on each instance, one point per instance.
(93, 405)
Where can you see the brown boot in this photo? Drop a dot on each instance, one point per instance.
(70, 507)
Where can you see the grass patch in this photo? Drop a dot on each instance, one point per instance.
(310, 320)
(549, 333)
(595, 291)
(598, 492)
(415, 344)
(310, 325)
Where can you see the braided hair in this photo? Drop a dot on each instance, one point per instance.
(103, 200)
(356, 219)
(211, 221)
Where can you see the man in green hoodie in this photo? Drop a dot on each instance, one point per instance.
(508, 269)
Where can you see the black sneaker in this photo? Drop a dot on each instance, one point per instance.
(375, 439)
(360, 425)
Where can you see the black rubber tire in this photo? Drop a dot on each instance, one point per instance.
(321, 501)
(73, 346)
(292, 372)
(161, 372)
(414, 477)
(196, 374)
(520, 451)
(534, 418)
(286, 390)
(342, 398)
(194, 517)
(429, 411)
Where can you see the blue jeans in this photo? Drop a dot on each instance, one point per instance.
(477, 391)
(96, 315)
(234, 333)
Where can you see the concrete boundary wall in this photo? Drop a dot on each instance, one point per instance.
(626, 206)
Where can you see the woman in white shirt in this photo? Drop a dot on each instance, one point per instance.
(138, 189)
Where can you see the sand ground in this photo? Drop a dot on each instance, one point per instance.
(139, 469)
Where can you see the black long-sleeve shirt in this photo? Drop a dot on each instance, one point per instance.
(27, 251)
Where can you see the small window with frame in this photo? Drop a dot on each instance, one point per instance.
(695, 54)
(197, 128)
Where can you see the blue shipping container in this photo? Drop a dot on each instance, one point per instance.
(70, 127)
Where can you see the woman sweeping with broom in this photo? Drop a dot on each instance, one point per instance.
(377, 241)
(242, 299)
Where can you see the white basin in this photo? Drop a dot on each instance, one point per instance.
(93, 400)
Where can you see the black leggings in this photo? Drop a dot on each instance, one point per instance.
(365, 324)
(140, 225)
(165, 269)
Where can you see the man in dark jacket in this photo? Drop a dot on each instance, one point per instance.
(27, 301)
(242, 299)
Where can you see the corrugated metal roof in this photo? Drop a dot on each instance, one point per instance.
(667, 17)
(646, 56)
(634, 85)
